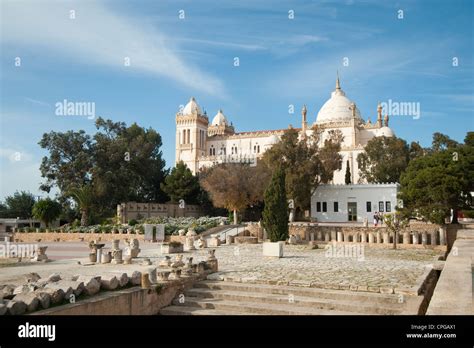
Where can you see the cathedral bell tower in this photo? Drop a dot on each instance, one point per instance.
(191, 135)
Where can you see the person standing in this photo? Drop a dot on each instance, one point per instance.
(376, 219)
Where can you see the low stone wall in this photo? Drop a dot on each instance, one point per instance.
(132, 301)
(32, 237)
(417, 235)
(36, 237)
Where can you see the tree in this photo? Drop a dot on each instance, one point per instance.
(348, 174)
(306, 164)
(121, 163)
(69, 162)
(384, 159)
(19, 205)
(442, 142)
(275, 213)
(46, 210)
(84, 197)
(234, 186)
(395, 223)
(128, 163)
(441, 180)
(181, 184)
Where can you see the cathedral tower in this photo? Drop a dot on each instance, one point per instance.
(191, 135)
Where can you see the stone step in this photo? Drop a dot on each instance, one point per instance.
(301, 291)
(249, 298)
(184, 310)
(246, 308)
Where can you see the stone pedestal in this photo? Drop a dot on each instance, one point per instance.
(339, 237)
(371, 238)
(345, 236)
(229, 240)
(214, 242)
(414, 238)
(163, 276)
(424, 238)
(434, 238)
(41, 254)
(406, 237)
(116, 244)
(378, 237)
(117, 257)
(145, 281)
(190, 243)
(442, 236)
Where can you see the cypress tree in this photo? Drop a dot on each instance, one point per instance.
(275, 213)
(348, 173)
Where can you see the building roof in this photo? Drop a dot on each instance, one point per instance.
(192, 108)
(337, 108)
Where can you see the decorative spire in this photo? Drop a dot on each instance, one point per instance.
(303, 121)
(379, 115)
(338, 84)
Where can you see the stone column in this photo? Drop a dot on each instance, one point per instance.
(98, 256)
(319, 235)
(415, 239)
(363, 237)
(116, 244)
(386, 238)
(326, 237)
(371, 238)
(424, 238)
(333, 235)
(379, 237)
(339, 236)
(442, 235)
(345, 236)
(406, 237)
(434, 238)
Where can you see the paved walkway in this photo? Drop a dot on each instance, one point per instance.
(365, 268)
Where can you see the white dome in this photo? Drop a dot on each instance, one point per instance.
(385, 132)
(273, 140)
(192, 108)
(219, 119)
(338, 108)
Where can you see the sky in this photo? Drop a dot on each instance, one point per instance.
(138, 61)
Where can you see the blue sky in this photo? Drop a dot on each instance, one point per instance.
(283, 61)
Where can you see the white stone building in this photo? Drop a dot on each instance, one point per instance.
(201, 144)
(353, 203)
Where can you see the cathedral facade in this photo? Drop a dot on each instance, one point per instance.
(200, 143)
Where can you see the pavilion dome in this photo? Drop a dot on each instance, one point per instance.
(273, 140)
(192, 108)
(385, 132)
(338, 108)
(219, 119)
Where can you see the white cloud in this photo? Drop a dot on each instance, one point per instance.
(99, 36)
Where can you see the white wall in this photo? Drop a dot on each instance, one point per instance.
(359, 193)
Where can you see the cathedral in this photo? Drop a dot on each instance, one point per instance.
(200, 143)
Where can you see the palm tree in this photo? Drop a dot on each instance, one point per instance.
(84, 198)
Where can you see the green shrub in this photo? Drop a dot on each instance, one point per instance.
(132, 222)
(468, 214)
